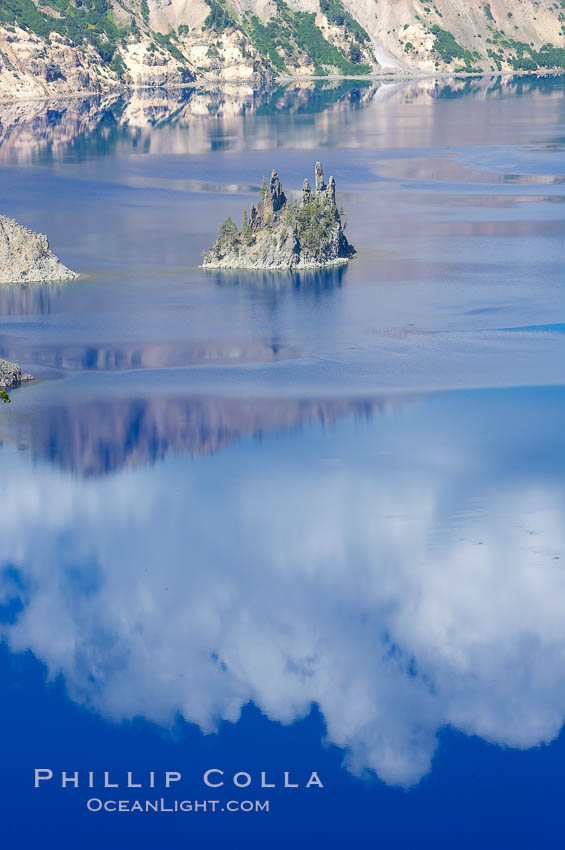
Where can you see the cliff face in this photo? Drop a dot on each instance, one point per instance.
(65, 46)
(25, 256)
(285, 234)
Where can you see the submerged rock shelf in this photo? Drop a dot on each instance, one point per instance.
(282, 233)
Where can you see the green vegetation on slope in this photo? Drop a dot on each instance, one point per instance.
(165, 41)
(336, 14)
(313, 222)
(91, 21)
(449, 49)
(528, 59)
(265, 38)
(521, 55)
(293, 36)
(311, 41)
(219, 18)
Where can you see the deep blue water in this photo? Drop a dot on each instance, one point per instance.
(261, 522)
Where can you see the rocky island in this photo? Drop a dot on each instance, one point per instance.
(25, 256)
(11, 375)
(282, 233)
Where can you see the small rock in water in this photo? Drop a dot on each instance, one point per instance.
(285, 234)
(25, 256)
(11, 375)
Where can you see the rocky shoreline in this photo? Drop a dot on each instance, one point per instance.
(25, 256)
(281, 233)
(11, 376)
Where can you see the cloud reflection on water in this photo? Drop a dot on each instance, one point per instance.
(404, 574)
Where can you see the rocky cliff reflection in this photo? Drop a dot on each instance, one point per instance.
(310, 280)
(98, 437)
(198, 120)
(24, 299)
(29, 299)
(158, 121)
(404, 573)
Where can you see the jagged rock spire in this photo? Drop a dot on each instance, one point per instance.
(306, 191)
(320, 184)
(331, 189)
(276, 196)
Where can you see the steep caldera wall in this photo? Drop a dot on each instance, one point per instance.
(67, 46)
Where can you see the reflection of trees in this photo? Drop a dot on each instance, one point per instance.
(309, 98)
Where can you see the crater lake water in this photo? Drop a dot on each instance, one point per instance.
(268, 522)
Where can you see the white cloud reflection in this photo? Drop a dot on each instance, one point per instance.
(398, 599)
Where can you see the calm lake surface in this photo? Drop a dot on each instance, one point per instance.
(289, 522)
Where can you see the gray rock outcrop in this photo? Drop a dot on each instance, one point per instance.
(25, 256)
(285, 234)
(11, 375)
